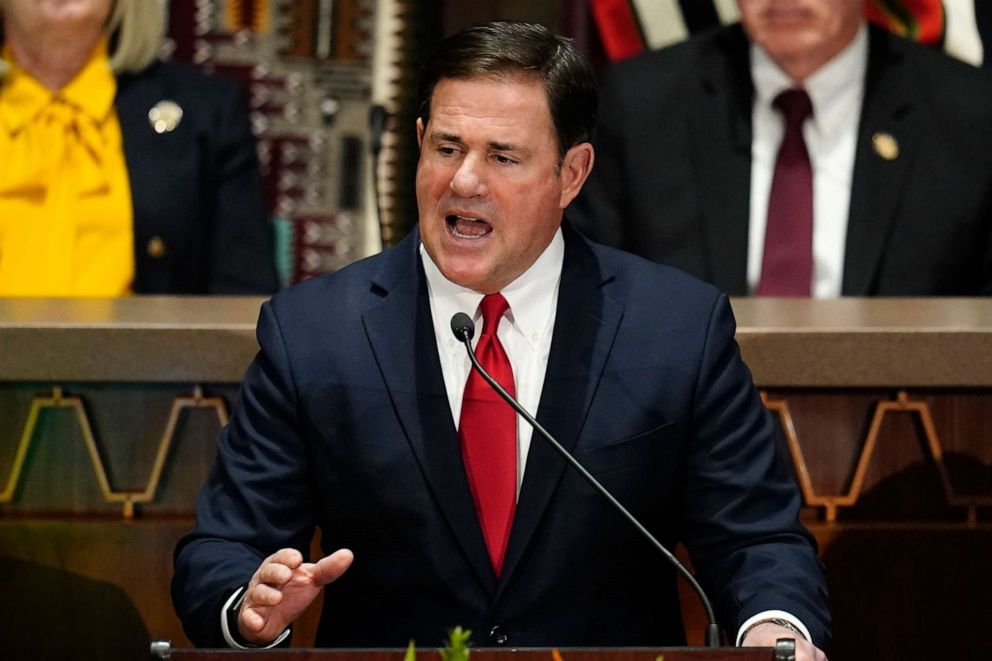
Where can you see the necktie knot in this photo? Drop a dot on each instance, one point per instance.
(795, 106)
(494, 306)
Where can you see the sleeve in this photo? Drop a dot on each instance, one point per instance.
(778, 617)
(228, 625)
(257, 498)
(242, 250)
(742, 521)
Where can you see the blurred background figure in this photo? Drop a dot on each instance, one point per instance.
(800, 152)
(121, 173)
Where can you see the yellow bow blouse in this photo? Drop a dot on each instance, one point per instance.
(66, 226)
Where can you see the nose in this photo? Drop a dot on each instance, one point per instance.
(468, 179)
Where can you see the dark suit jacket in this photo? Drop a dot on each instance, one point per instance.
(673, 165)
(196, 189)
(343, 423)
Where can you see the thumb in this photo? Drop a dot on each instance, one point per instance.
(329, 569)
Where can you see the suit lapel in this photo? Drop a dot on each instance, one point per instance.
(585, 326)
(135, 97)
(720, 132)
(878, 183)
(145, 151)
(410, 367)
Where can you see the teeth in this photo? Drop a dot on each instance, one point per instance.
(458, 224)
(460, 235)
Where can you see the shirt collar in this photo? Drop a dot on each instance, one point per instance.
(532, 296)
(829, 87)
(91, 91)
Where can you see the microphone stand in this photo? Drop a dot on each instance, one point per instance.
(464, 333)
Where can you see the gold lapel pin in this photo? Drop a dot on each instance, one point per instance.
(885, 145)
(165, 116)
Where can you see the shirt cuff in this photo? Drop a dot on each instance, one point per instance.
(772, 615)
(234, 602)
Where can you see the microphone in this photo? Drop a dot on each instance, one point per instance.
(464, 330)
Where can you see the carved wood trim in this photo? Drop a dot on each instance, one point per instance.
(831, 502)
(128, 498)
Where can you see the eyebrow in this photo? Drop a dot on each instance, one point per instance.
(506, 146)
(443, 136)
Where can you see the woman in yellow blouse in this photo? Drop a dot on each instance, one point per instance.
(121, 173)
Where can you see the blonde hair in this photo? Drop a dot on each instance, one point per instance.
(136, 32)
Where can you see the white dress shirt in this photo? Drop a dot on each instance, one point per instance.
(524, 331)
(831, 135)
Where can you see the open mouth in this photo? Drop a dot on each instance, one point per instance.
(786, 15)
(465, 227)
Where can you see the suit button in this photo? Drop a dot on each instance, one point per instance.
(498, 635)
(155, 247)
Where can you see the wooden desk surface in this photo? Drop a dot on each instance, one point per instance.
(858, 342)
(149, 339)
(787, 343)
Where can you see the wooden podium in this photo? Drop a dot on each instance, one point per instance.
(785, 651)
(114, 406)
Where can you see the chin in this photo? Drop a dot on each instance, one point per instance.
(789, 47)
(460, 275)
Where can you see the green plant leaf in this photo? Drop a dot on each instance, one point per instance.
(457, 648)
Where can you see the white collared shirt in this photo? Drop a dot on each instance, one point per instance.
(525, 332)
(831, 135)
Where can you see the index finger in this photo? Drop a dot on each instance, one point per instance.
(290, 557)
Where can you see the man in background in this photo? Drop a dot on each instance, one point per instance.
(802, 153)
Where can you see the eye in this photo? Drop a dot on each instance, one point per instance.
(503, 159)
(446, 150)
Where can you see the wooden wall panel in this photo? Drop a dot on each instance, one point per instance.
(905, 538)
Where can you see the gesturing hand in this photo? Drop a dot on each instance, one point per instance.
(282, 588)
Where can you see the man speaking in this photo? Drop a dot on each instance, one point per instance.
(361, 415)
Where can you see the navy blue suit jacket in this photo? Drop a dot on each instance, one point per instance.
(196, 189)
(672, 181)
(343, 423)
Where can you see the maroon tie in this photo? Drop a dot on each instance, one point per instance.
(787, 264)
(488, 433)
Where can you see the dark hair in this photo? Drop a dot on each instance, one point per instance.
(513, 48)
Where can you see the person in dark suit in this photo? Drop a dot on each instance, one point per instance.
(123, 173)
(352, 416)
(200, 225)
(900, 146)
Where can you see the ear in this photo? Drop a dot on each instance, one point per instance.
(420, 132)
(575, 169)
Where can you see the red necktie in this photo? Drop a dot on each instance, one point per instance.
(787, 264)
(488, 434)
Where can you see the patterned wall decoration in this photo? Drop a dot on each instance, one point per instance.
(313, 71)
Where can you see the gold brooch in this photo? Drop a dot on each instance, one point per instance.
(885, 145)
(165, 116)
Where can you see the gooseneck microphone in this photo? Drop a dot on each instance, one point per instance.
(464, 330)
